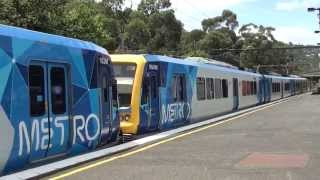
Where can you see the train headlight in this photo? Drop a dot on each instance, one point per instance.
(127, 117)
(125, 113)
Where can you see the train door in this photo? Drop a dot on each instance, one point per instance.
(49, 109)
(106, 112)
(154, 114)
(282, 89)
(261, 91)
(235, 94)
(266, 89)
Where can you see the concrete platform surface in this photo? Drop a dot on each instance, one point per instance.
(277, 143)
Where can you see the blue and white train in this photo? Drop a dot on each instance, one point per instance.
(159, 92)
(61, 96)
(57, 97)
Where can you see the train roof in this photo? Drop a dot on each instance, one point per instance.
(160, 58)
(211, 61)
(21, 33)
(285, 77)
(157, 58)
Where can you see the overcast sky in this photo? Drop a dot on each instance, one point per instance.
(290, 17)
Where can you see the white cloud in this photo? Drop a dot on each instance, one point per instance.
(291, 5)
(296, 35)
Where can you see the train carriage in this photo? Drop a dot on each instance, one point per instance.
(159, 92)
(58, 97)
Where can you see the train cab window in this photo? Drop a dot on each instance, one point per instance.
(58, 90)
(201, 91)
(36, 90)
(178, 87)
(225, 88)
(210, 88)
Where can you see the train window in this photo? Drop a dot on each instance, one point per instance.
(145, 92)
(36, 90)
(279, 87)
(154, 86)
(210, 88)
(105, 89)
(250, 88)
(181, 87)
(276, 87)
(218, 88)
(253, 91)
(273, 87)
(255, 87)
(58, 90)
(201, 91)
(244, 88)
(178, 88)
(225, 88)
(247, 88)
(114, 94)
(174, 88)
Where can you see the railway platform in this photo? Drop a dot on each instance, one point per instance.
(276, 142)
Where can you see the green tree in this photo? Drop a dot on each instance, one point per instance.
(165, 31)
(190, 42)
(149, 7)
(137, 34)
(85, 20)
(45, 15)
(215, 40)
(220, 34)
(227, 20)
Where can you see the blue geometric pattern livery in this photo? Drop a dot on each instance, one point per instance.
(24, 138)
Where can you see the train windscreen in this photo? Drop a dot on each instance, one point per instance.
(125, 76)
